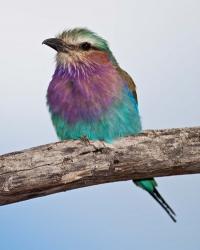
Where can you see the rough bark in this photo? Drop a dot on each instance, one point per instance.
(71, 164)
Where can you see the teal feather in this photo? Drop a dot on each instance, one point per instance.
(121, 119)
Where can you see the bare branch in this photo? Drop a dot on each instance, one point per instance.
(68, 165)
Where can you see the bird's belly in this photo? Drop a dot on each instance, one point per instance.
(120, 119)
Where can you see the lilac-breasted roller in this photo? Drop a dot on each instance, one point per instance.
(91, 96)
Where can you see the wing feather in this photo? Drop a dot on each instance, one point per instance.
(127, 78)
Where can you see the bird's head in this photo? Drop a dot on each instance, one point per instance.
(80, 46)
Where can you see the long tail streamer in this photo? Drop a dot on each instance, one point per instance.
(156, 195)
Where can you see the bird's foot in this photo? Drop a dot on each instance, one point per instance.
(85, 140)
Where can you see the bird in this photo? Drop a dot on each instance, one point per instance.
(91, 96)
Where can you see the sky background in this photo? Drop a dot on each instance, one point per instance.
(158, 43)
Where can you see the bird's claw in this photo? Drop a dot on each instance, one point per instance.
(85, 140)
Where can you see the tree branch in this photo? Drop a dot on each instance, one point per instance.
(68, 165)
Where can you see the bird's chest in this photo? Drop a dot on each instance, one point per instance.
(86, 100)
(100, 107)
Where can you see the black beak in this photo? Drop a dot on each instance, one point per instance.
(57, 44)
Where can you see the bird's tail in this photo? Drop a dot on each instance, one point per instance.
(150, 186)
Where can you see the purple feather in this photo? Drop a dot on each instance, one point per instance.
(84, 94)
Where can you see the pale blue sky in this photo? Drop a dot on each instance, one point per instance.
(158, 43)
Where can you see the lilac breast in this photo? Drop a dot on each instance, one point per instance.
(77, 95)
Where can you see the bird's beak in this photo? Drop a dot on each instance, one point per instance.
(58, 44)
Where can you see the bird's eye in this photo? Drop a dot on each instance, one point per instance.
(85, 46)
